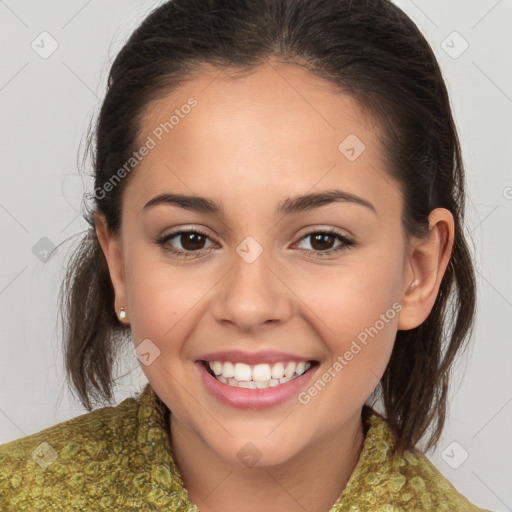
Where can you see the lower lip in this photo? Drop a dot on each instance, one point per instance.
(243, 398)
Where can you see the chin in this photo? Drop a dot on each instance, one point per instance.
(258, 451)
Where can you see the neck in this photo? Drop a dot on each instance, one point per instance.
(312, 479)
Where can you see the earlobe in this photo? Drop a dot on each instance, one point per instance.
(427, 262)
(111, 248)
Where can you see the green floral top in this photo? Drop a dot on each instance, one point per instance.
(120, 459)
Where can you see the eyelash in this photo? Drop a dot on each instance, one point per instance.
(347, 243)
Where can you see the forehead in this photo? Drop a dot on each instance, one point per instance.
(278, 127)
(270, 97)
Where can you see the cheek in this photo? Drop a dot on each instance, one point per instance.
(160, 298)
(355, 296)
(358, 308)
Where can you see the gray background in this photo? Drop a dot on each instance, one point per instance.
(46, 105)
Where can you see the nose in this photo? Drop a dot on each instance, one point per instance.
(253, 294)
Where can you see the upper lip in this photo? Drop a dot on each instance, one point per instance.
(251, 358)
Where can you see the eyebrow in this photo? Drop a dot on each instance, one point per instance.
(289, 206)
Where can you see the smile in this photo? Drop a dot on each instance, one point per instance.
(257, 376)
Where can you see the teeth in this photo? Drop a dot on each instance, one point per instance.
(216, 367)
(289, 370)
(278, 371)
(259, 376)
(242, 372)
(249, 385)
(261, 372)
(228, 370)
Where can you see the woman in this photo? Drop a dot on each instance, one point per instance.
(277, 227)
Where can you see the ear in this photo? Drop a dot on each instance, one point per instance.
(426, 264)
(111, 246)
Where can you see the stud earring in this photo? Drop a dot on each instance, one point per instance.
(414, 284)
(122, 314)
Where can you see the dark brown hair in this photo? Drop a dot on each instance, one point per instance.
(369, 49)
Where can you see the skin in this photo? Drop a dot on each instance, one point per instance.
(249, 144)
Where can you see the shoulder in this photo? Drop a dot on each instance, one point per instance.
(385, 480)
(57, 460)
(426, 484)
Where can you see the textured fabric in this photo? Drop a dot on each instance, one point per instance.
(120, 459)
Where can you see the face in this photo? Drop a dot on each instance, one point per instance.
(267, 278)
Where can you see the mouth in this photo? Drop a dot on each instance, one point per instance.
(259, 376)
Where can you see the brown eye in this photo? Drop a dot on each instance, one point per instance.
(191, 242)
(321, 242)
